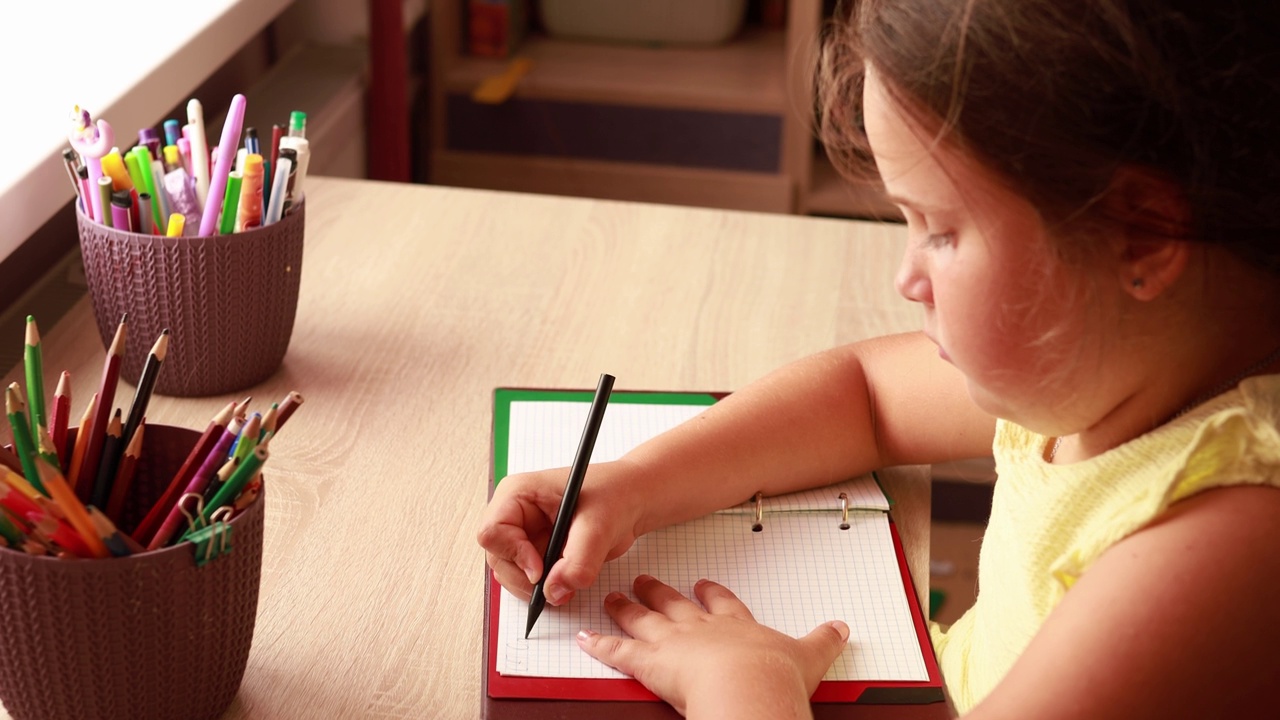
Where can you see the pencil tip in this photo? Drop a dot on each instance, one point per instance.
(536, 602)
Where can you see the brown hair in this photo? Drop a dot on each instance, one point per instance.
(1057, 96)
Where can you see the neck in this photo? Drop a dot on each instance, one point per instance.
(1217, 325)
(1131, 418)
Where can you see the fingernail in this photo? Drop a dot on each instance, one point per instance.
(641, 579)
(530, 573)
(842, 629)
(585, 635)
(555, 594)
(614, 597)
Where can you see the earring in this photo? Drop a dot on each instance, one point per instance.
(1138, 283)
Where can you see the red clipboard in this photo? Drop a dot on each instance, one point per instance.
(505, 696)
(532, 697)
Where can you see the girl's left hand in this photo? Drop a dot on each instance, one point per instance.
(717, 661)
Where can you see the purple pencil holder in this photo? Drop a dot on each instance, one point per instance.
(151, 636)
(229, 301)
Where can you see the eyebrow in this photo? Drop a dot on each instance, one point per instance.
(917, 206)
(900, 200)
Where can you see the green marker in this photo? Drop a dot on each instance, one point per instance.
(143, 156)
(231, 202)
(297, 124)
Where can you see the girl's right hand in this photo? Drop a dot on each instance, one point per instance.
(517, 523)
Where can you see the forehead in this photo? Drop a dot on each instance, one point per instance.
(936, 177)
(914, 167)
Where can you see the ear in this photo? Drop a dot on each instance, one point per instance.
(1154, 223)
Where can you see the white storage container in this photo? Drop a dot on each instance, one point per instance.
(682, 22)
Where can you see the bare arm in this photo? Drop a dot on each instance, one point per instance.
(1174, 621)
(847, 411)
(828, 417)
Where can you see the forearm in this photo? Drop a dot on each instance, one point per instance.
(803, 425)
(818, 420)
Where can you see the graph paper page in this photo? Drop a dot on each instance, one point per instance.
(800, 571)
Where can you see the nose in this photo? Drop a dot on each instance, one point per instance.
(912, 282)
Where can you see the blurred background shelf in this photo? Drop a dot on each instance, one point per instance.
(725, 125)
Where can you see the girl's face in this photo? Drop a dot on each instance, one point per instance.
(978, 260)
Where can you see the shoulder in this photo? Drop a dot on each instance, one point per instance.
(1176, 620)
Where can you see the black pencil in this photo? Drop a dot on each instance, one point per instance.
(112, 447)
(564, 516)
(146, 384)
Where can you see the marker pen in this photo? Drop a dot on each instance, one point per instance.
(302, 147)
(199, 149)
(171, 132)
(120, 211)
(104, 197)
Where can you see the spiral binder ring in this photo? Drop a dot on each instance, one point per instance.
(844, 511)
(758, 524)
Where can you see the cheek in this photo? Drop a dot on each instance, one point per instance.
(995, 326)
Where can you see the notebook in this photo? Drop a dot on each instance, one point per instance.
(796, 560)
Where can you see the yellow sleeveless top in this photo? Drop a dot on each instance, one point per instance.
(1049, 523)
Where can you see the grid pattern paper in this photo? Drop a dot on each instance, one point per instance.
(800, 571)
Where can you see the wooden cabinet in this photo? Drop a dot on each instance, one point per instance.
(722, 126)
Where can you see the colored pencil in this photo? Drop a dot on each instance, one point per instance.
(112, 447)
(146, 384)
(124, 474)
(44, 447)
(192, 472)
(59, 418)
(248, 438)
(242, 408)
(70, 505)
(81, 444)
(16, 481)
(34, 366)
(221, 477)
(9, 458)
(269, 422)
(22, 441)
(49, 529)
(17, 502)
(102, 413)
(118, 544)
(244, 472)
(287, 407)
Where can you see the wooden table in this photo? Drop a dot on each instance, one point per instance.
(416, 303)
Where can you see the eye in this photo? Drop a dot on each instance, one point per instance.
(937, 240)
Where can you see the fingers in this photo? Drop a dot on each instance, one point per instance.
(635, 619)
(665, 599)
(508, 545)
(510, 576)
(584, 554)
(623, 654)
(719, 600)
(821, 648)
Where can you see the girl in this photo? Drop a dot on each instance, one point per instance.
(1094, 234)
